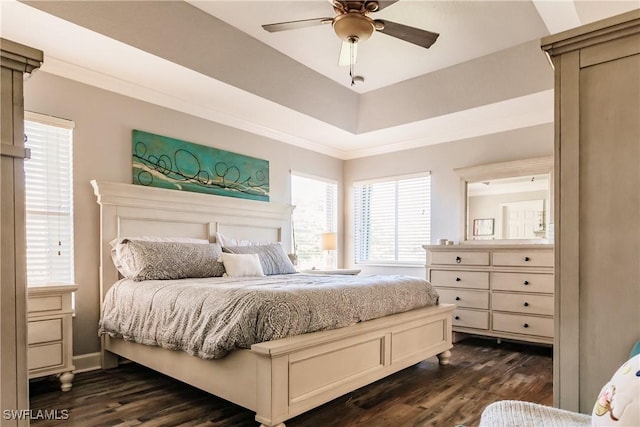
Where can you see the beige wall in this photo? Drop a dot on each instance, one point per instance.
(102, 151)
(441, 160)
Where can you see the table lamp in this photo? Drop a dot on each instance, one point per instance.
(329, 243)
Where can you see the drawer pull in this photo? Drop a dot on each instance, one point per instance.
(458, 259)
(527, 258)
(458, 279)
(526, 304)
(457, 298)
(526, 282)
(526, 325)
(457, 317)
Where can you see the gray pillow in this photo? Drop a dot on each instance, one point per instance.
(116, 244)
(144, 260)
(273, 258)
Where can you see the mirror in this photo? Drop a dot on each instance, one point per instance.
(507, 202)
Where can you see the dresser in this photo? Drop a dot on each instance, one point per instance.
(50, 333)
(502, 291)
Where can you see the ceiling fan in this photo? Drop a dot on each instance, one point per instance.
(352, 25)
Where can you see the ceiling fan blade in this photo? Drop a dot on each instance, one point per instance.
(293, 25)
(383, 4)
(345, 54)
(413, 35)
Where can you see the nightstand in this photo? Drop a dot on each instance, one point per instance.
(50, 333)
(340, 271)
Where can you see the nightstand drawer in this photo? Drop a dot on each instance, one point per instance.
(50, 333)
(51, 303)
(523, 282)
(460, 258)
(45, 356)
(529, 325)
(471, 319)
(460, 279)
(523, 303)
(44, 331)
(524, 259)
(464, 298)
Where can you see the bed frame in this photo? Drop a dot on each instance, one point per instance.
(276, 379)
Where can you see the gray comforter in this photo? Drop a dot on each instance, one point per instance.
(212, 316)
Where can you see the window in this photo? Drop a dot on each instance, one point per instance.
(315, 201)
(49, 199)
(392, 220)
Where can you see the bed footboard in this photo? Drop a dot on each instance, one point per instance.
(300, 373)
(284, 378)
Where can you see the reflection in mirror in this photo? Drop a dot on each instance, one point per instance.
(508, 208)
(508, 202)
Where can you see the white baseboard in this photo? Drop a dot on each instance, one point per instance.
(87, 362)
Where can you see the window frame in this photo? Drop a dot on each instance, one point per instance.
(390, 179)
(330, 228)
(69, 276)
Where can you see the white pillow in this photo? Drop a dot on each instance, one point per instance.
(242, 265)
(273, 258)
(618, 403)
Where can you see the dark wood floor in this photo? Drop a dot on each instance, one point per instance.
(481, 372)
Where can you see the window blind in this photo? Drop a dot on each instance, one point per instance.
(49, 199)
(392, 220)
(315, 201)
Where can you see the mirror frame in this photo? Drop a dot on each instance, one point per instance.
(533, 166)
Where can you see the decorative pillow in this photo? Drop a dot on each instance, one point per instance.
(159, 239)
(242, 265)
(118, 241)
(273, 258)
(148, 260)
(618, 403)
(228, 241)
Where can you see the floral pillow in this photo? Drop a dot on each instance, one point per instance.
(147, 260)
(273, 258)
(618, 403)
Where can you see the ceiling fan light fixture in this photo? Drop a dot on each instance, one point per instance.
(353, 25)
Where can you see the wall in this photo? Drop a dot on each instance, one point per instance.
(102, 151)
(441, 160)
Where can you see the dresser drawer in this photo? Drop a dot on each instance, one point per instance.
(44, 331)
(464, 298)
(45, 356)
(520, 324)
(471, 319)
(523, 259)
(460, 258)
(523, 303)
(523, 282)
(50, 303)
(460, 279)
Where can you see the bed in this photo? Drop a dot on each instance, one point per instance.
(276, 379)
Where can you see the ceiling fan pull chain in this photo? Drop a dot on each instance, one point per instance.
(352, 43)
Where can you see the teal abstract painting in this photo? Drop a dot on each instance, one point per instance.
(159, 161)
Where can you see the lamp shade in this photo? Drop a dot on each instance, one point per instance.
(329, 241)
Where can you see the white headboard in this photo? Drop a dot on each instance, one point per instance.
(128, 210)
